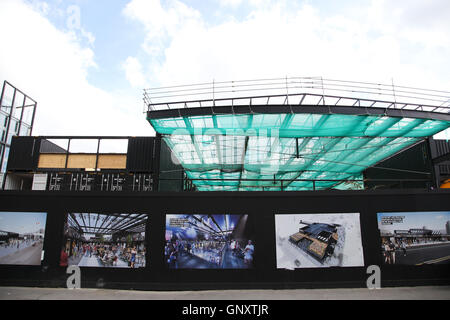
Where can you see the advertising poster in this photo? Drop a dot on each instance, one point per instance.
(104, 240)
(415, 238)
(318, 240)
(209, 242)
(22, 237)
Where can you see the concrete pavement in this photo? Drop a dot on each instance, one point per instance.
(399, 293)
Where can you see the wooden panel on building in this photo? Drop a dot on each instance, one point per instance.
(112, 161)
(52, 161)
(81, 161)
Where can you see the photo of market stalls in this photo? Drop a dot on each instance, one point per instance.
(22, 237)
(209, 242)
(104, 240)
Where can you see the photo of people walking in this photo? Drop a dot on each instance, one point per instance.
(415, 238)
(104, 240)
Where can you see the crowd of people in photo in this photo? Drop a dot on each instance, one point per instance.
(210, 251)
(107, 254)
(389, 250)
(15, 244)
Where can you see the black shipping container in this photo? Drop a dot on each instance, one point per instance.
(140, 157)
(24, 154)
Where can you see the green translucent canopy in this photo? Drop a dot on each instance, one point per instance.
(252, 152)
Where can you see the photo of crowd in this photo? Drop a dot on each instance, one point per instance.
(104, 240)
(415, 238)
(22, 237)
(209, 242)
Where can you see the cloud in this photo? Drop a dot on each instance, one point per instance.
(52, 67)
(381, 42)
(375, 43)
(160, 22)
(230, 3)
(133, 72)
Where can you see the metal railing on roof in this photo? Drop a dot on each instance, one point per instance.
(296, 91)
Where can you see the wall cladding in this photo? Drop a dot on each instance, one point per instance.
(260, 206)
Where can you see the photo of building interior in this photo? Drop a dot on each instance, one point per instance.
(208, 242)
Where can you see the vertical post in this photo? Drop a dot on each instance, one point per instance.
(287, 92)
(214, 95)
(96, 161)
(435, 178)
(2, 142)
(323, 91)
(67, 153)
(157, 161)
(32, 118)
(96, 156)
(393, 91)
(21, 113)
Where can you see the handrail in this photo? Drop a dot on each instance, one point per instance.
(210, 93)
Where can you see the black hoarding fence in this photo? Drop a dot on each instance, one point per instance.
(262, 209)
(100, 181)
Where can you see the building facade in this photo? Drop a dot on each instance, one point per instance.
(17, 111)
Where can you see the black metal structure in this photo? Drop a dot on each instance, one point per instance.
(138, 174)
(199, 121)
(260, 207)
(108, 224)
(296, 109)
(17, 113)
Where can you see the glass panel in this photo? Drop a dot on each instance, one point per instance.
(18, 104)
(113, 146)
(11, 133)
(83, 146)
(3, 120)
(54, 145)
(8, 95)
(5, 159)
(24, 130)
(30, 105)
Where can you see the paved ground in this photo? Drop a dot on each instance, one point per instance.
(404, 293)
(435, 254)
(26, 255)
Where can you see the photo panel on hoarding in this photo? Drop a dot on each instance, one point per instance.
(318, 240)
(209, 241)
(113, 240)
(22, 237)
(415, 238)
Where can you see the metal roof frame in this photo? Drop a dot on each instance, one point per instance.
(301, 111)
(110, 223)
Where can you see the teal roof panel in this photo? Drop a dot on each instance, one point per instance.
(287, 152)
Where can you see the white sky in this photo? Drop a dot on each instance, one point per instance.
(415, 220)
(175, 42)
